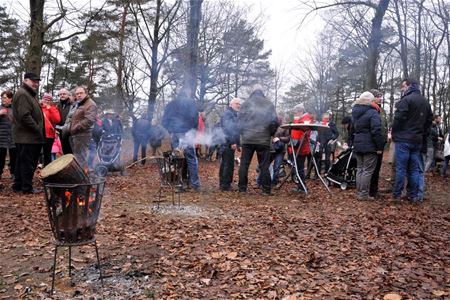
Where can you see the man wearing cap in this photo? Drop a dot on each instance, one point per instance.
(367, 143)
(81, 125)
(111, 123)
(411, 127)
(228, 123)
(64, 105)
(28, 133)
(257, 122)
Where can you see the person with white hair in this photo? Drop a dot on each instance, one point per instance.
(258, 122)
(301, 142)
(64, 106)
(228, 123)
(368, 142)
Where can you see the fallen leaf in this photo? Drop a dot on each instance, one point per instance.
(392, 296)
(232, 255)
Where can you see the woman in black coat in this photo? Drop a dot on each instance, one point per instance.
(367, 141)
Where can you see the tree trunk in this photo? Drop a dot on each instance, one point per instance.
(120, 62)
(190, 75)
(154, 71)
(402, 38)
(374, 43)
(33, 62)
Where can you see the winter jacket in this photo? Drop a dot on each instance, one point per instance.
(141, 130)
(229, 125)
(51, 119)
(84, 117)
(28, 119)
(113, 126)
(64, 108)
(180, 115)
(300, 136)
(412, 118)
(283, 135)
(57, 147)
(257, 120)
(367, 124)
(6, 139)
(328, 135)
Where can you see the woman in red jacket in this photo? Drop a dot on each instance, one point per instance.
(300, 137)
(51, 119)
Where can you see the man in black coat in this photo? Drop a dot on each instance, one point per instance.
(230, 129)
(411, 126)
(64, 106)
(141, 133)
(28, 133)
(327, 139)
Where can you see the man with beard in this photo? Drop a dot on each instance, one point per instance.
(28, 133)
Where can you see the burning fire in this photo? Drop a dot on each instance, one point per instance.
(80, 200)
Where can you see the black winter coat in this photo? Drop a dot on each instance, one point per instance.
(412, 118)
(367, 124)
(180, 115)
(229, 125)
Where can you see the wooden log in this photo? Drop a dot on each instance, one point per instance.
(65, 170)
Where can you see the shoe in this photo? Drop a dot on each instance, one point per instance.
(266, 193)
(33, 191)
(197, 189)
(298, 190)
(225, 189)
(242, 191)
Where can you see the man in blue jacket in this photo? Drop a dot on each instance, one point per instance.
(228, 122)
(411, 126)
(181, 121)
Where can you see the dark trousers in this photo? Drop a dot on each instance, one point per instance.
(373, 191)
(326, 161)
(26, 163)
(226, 166)
(12, 159)
(301, 170)
(65, 144)
(263, 155)
(47, 151)
(140, 143)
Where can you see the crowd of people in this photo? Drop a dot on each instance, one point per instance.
(32, 130)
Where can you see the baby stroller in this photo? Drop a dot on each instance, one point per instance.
(108, 153)
(343, 171)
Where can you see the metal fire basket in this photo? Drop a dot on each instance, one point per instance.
(73, 210)
(170, 166)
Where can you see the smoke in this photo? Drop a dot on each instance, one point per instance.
(215, 136)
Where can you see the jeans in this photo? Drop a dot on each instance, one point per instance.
(421, 186)
(445, 166)
(277, 161)
(140, 142)
(366, 164)
(407, 165)
(226, 166)
(26, 163)
(191, 159)
(263, 154)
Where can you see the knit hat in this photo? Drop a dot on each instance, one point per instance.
(298, 108)
(47, 97)
(366, 96)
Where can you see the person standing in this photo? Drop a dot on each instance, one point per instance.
(373, 191)
(181, 121)
(64, 106)
(367, 143)
(434, 141)
(28, 133)
(6, 140)
(51, 118)
(257, 122)
(411, 126)
(111, 123)
(228, 122)
(141, 133)
(301, 142)
(327, 139)
(279, 141)
(81, 126)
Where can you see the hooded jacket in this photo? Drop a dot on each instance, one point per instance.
(412, 118)
(28, 120)
(257, 120)
(367, 125)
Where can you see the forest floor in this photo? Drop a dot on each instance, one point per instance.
(223, 245)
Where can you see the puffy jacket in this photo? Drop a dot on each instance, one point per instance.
(28, 120)
(180, 115)
(83, 118)
(412, 118)
(229, 125)
(367, 124)
(6, 139)
(51, 119)
(257, 120)
(299, 136)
